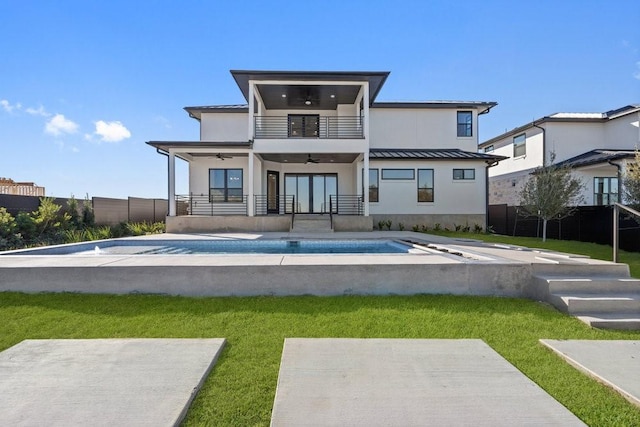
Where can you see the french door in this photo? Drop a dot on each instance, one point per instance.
(312, 192)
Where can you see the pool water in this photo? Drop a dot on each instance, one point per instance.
(181, 247)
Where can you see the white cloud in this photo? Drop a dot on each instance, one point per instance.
(111, 131)
(40, 111)
(59, 124)
(6, 105)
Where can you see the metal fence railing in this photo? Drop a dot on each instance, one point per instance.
(211, 205)
(275, 205)
(347, 204)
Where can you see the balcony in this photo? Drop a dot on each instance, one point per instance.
(308, 126)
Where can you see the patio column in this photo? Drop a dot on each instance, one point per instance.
(250, 201)
(172, 183)
(365, 182)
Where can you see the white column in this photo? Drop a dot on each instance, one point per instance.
(250, 201)
(172, 183)
(365, 103)
(251, 112)
(365, 182)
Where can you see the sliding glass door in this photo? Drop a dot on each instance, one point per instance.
(312, 192)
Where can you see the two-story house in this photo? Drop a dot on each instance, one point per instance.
(312, 142)
(597, 146)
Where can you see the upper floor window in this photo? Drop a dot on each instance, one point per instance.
(398, 174)
(488, 149)
(425, 185)
(605, 190)
(519, 145)
(304, 126)
(465, 123)
(464, 174)
(225, 185)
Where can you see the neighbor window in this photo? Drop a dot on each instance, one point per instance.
(464, 174)
(465, 121)
(488, 149)
(425, 185)
(225, 185)
(519, 145)
(398, 174)
(605, 190)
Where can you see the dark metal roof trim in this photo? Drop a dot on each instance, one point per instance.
(436, 104)
(430, 154)
(595, 157)
(164, 145)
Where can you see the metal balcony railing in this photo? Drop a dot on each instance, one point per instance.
(326, 127)
(346, 204)
(273, 205)
(211, 205)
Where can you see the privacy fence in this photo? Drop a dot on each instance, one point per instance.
(587, 224)
(107, 211)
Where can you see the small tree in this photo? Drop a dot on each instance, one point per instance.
(551, 192)
(632, 182)
(88, 216)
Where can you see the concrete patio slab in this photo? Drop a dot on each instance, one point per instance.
(103, 382)
(406, 382)
(615, 363)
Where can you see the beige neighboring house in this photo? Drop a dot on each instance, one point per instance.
(9, 186)
(597, 146)
(320, 143)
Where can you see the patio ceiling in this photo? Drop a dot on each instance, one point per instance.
(304, 157)
(315, 97)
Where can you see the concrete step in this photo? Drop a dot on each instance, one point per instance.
(580, 268)
(591, 285)
(315, 223)
(612, 321)
(583, 304)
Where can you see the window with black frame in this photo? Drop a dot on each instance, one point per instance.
(520, 145)
(464, 174)
(465, 123)
(225, 185)
(425, 185)
(304, 126)
(605, 190)
(373, 185)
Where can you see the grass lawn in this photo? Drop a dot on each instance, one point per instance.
(241, 388)
(594, 250)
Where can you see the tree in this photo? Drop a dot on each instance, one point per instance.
(551, 192)
(632, 182)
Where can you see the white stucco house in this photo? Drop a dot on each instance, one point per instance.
(597, 146)
(310, 143)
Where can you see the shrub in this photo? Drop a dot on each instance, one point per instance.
(415, 228)
(8, 224)
(477, 228)
(400, 226)
(437, 227)
(88, 216)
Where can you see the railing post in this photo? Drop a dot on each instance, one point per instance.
(616, 215)
(190, 203)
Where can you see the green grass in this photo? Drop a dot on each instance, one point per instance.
(241, 388)
(594, 250)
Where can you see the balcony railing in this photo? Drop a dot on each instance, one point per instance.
(211, 205)
(193, 204)
(346, 204)
(274, 205)
(327, 127)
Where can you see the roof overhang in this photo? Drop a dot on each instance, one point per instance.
(300, 91)
(482, 106)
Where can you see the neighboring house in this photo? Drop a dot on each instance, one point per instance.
(310, 142)
(598, 146)
(9, 186)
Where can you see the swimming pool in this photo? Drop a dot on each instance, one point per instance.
(185, 247)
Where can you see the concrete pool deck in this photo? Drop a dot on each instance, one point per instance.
(448, 266)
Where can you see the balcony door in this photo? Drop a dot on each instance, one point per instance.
(304, 126)
(273, 192)
(312, 192)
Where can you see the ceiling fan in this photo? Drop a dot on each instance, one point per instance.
(311, 160)
(223, 156)
(309, 99)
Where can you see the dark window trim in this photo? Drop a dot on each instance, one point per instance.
(303, 128)
(607, 197)
(432, 188)
(464, 175)
(522, 143)
(468, 127)
(376, 188)
(413, 174)
(226, 188)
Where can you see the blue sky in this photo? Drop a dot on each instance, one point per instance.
(83, 84)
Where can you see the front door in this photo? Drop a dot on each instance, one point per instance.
(312, 192)
(273, 192)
